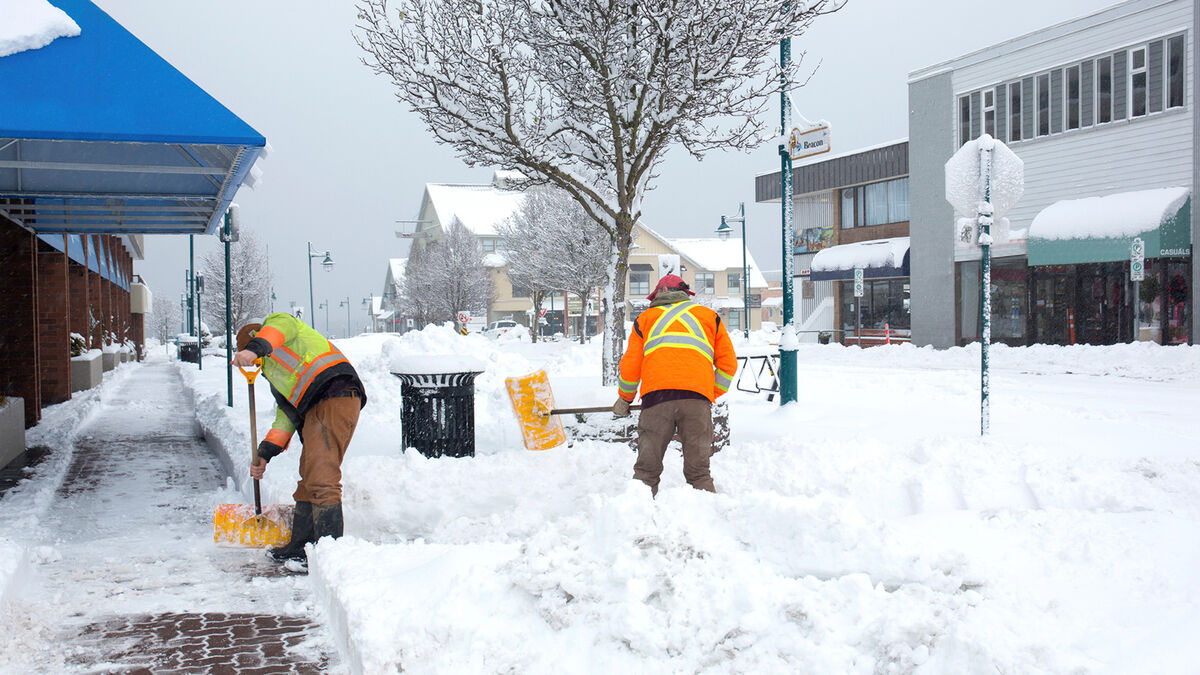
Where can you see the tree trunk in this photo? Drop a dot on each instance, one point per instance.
(535, 329)
(612, 302)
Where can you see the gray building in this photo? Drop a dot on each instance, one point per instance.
(1100, 109)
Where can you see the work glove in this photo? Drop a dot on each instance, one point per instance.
(267, 450)
(621, 408)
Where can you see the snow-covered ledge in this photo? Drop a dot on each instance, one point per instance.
(12, 428)
(86, 370)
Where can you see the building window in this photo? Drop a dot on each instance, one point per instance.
(735, 319)
(989, 112)
(1138, 89)
(639, 280)
(519, 291)
(1175, 63)
(735, 282)
(705, 283)
(875, 204)
(1104, 87)
(964, 119)
(1073, 97)
(489, 245)
(1014, 112)
(1043, 104)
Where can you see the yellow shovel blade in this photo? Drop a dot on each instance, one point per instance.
(237, 524)
(531, 401)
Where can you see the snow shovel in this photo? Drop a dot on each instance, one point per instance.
(237, 523)
(533, 404)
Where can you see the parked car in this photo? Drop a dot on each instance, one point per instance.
(497, 328)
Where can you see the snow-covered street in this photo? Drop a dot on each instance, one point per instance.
(866, 529)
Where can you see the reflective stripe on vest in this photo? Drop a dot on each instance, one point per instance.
(292, 363)
(625, 386)
(658, 337)
(723, 380)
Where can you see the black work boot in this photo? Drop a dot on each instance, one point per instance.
(327, 521)
(302, 533)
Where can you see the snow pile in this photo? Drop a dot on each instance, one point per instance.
(868, 528)
(1122, 215)
(32, 24)
(12, 564)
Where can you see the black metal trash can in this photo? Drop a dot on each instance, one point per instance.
(437, 414)
(189, 351)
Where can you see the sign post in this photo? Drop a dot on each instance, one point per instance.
(984, 179)
(1137, 274)
(859, 288)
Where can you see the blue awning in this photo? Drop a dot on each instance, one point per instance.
(100, 134)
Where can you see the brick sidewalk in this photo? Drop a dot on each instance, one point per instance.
(165, 644)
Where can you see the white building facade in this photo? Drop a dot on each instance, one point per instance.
(1100, 107)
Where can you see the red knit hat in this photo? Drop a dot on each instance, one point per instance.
(669, 283)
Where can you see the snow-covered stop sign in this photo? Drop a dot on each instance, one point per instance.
(964, 184)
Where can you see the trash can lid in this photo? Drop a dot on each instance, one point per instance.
(434, 364)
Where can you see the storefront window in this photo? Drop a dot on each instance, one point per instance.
(885, 304)
(1163, 303)
(1010, 306)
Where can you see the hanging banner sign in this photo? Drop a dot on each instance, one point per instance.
(808, 142)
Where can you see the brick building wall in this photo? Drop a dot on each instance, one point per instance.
(18, 307)
(54, 324)
(79, 284)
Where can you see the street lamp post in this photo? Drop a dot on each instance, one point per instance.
(723, 231)
(787, 346)
(345, 302)
(369, 303)
(327, 263)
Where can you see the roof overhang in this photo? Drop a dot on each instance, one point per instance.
(1102, 229)
(104, 136)
(878, 259)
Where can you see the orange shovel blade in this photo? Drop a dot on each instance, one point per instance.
(532, 401)
(237, 524)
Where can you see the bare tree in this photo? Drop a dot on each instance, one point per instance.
(250, 291)
(554, 246)
(586, 95)
(446, 276)
(164, 319)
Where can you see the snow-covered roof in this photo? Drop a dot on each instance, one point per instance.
(494, 260)
(33, 24)
(396, 267)
(711, 253)
(479, 207)
(376, 305)
(861, 255)
(1122, 215)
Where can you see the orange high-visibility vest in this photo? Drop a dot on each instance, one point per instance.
(678, 346)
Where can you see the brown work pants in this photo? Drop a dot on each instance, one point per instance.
(656, 427)
(328, 427)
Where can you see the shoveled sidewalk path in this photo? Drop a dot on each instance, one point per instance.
(128, 579)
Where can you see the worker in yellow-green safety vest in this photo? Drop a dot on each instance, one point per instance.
(317, 394)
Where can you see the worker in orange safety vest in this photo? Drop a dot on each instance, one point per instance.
(684, 360)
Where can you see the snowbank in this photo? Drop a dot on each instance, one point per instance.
(868, 528)
(33, 24)
(13, 561)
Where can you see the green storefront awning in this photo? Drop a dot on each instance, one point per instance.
(1101, 229)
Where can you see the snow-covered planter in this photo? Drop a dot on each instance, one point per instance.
(111, 357)
(86, 370)
(12, 428)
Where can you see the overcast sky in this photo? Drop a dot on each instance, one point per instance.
(349, 160)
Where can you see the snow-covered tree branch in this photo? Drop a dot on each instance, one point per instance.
(250, 290)
(447, 276)
(586, 95)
